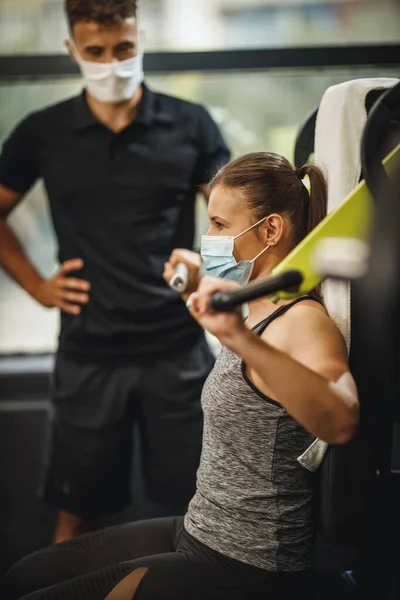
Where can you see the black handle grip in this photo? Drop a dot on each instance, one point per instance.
(227, 301)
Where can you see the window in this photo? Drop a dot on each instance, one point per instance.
(277, 24)
(25, 326)
(38, 26)
(255, 110)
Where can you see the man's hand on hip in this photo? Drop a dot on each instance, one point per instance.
(64, 292)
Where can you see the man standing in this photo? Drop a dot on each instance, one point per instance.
(122, 166)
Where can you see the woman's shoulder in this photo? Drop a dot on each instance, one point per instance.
(310, 302)
(307, 324)
(310, 314)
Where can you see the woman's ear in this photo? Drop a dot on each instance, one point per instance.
(273, 229)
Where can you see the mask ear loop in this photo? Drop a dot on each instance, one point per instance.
(249, 228)
(252, 227)
(262, 252)
(254, 259)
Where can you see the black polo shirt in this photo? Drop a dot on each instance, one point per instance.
(121, 202)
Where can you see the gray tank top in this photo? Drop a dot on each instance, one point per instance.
(254, 501)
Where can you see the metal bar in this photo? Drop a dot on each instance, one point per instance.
(33, 67)
(26, 364)
(25, 406)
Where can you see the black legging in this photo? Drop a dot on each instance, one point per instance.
(179, 568)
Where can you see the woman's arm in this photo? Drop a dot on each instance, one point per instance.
(317, 403)
(318, 392)
(193, 262)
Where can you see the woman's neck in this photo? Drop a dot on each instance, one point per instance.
(262, 307)
(259, 310)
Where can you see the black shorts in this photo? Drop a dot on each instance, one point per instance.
(88, 451)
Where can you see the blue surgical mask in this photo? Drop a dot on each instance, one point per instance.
(219, 261)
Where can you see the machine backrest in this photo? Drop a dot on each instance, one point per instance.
(347, 476)
(305, 139)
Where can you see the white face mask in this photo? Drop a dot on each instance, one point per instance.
(111, 82)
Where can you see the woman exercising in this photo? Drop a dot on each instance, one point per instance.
(280, 381)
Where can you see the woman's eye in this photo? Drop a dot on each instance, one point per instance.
(218, 225)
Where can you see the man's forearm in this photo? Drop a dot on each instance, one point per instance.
(15, 262)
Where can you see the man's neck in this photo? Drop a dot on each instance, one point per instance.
(116, 116)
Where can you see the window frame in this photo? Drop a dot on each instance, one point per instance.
(57, 66)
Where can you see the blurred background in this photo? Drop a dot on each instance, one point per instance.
(257, 109)
(260, 67)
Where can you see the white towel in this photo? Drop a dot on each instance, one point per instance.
(340, 124)
(312, 458)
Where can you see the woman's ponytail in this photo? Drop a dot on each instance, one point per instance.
(318, 194)
(317, 202)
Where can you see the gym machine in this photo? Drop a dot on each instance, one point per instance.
(359, 492)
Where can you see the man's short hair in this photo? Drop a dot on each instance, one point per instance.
(106, 12)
